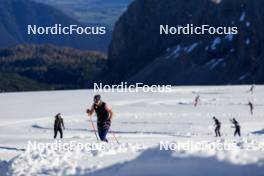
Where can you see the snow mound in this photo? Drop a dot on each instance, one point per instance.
(157, 162)
(59, 162)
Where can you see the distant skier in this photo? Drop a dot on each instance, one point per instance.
(196, 101)
(251, 106)
(237, 127)
(58, 125)
(217, 127)
(104, 116)
(251, 90)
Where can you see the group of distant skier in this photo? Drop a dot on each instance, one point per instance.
(218, 127)
(233, 121)
(105, 115)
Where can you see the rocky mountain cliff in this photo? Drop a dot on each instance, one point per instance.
(138, 53)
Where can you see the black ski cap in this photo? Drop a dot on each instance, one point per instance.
(97, 97)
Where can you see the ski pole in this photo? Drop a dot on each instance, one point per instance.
(111, 131)
(94, 128)
(115, 137)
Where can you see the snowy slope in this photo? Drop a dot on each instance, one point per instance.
(141, 122)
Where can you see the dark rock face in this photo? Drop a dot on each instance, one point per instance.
(138, 53)
(15, 15)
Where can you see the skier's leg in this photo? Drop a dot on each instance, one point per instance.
(100, 130)
(55, 133)
(219, 134)
(239, 134)
(217, 131)
(216, 134)
(61, 133)
(105, 129)
(102, 135)
(235, 132)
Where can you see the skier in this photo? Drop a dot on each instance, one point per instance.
(217, 127)
(104, 116)
(251, 106)
(58, 124)
(237, 127)
(196, 101)
(251, 90)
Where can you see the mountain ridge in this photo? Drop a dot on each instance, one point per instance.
(145, 56)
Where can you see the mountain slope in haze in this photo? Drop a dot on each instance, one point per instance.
(138, 53)
(45, 67)
(15, 15)
(91, 11)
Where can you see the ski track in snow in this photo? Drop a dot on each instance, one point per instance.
(141, 119)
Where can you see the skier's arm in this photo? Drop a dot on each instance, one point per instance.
(62, 123)
(109, 110)
(90, 111)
